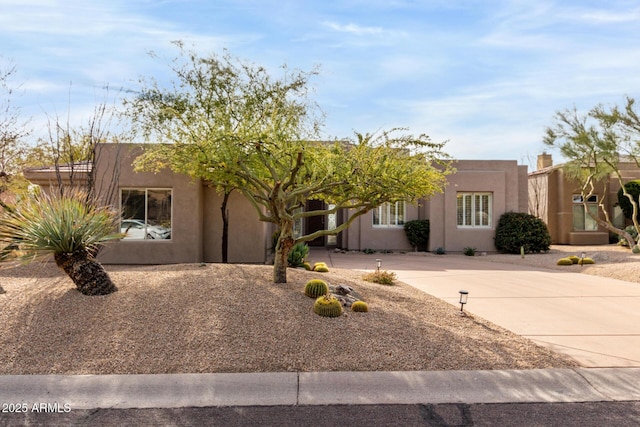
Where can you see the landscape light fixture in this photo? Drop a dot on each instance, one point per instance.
(378, 264)
(463, 300)
(582, 255)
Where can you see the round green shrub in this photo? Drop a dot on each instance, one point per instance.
(417, 232)
(517, 229)
(565, 261)
(633, 188)
(327, 306)
(360, 307)
(585, 261)
(635, 249)
(315, 288)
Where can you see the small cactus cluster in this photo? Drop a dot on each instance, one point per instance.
(315, 288)
(320, 267)
(570, 260)
(327, 306)
(331, 299)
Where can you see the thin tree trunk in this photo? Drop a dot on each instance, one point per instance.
(225, 226)
(87, 274)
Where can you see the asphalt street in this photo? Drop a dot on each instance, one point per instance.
(596, 414)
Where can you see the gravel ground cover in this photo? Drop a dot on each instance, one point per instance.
(230, 318)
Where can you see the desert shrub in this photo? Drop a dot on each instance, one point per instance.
(633, 188)
(327, 306)
(381, 277)
(368, 251)
(632, 231)
(417, 232)
(360, 307)
(517, 229)
(315, 288)
(564, 261)
(298, 254)
(439, 251)
(469, 251)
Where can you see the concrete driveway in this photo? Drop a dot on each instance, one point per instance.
(594, 320)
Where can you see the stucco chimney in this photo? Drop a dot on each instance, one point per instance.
(544, 161)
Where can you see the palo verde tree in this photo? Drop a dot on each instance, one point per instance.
(237, 127)
(13, 130)
(595, 143)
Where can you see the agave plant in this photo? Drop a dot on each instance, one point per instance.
(67, 227)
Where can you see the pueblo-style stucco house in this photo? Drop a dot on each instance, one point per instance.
(556, 199)
(171, 218)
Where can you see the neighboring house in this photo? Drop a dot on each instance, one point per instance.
(171, 218)
(557, 200)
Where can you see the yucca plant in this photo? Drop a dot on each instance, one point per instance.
(67, 227)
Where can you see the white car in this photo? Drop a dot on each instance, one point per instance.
(136, 229)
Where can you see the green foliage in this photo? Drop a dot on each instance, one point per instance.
(368, 251)
(516, 229)
(633, 189)
(565, 261)
(360, 307)
(635, 249)
(234, 125)
(381, 277)
(327, 306)
(298, 254)
(41, 225)
(439, 251)
(315, 288)
(585, 261)
(469, 251)
(417, 232)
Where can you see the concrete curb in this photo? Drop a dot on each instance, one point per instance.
(321, 388)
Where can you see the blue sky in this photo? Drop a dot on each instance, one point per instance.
(487, 75)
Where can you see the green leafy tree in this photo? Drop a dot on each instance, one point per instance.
(595, 143)
(234, 125)
(67, 228)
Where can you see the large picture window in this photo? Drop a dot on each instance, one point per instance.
(474, 210)
(582, 221)
(389, 215)
(146, 213)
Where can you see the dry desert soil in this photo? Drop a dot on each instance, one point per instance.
(190, 318)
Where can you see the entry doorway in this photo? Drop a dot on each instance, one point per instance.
(320, 222)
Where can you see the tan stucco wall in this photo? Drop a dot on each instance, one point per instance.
(247, 234)
(185, 245)
(196, 218)
(364, 235)
(559, 204)
(504, 179)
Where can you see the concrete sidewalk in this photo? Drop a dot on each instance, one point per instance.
(320, 388)
(595, 320)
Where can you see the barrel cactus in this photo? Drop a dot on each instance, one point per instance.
(320, 267)
(327, 306)
(585, 261)
(565, 261)
(360, 307)
(315, 288)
